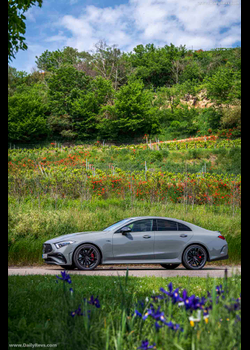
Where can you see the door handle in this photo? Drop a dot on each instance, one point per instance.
(146, 236)
(183, 235)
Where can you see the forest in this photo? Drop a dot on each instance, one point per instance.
(163, 92)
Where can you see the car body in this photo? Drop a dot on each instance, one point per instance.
(138, 240)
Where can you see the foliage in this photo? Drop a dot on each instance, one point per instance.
(16, 25)
(107, 94)
(96, 312)
(27, 114)
(224, 85)
(130, 114)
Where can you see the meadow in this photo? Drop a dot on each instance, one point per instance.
(124, 313)
(59, 190)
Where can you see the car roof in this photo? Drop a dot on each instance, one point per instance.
(165, 218)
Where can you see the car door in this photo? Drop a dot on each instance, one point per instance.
(170, 238)
(137, 244)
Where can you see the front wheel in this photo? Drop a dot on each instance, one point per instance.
(194, 257)
(87, 257)
(170, 266)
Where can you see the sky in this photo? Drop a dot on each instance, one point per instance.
(198, 24)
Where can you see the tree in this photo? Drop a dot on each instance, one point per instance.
(87, 106)
(130, 115)
(65, 85)
(16, 25)
(110, 63)
(156, 66)
(27, 114)
(224, 85)
(50, 60)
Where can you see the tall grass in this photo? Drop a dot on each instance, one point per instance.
(31, 223)
(40, 312)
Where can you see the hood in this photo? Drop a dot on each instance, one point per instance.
(73, 236)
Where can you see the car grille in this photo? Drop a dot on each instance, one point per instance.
(47, 248)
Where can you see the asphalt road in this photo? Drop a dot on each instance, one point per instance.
(211, 271)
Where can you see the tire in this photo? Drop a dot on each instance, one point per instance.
(194, 257)
(170, 266)
(87, 257)
(68, 267)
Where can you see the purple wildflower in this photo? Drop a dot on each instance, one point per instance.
(145, 345)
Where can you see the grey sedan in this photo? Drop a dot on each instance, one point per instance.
(138, 240)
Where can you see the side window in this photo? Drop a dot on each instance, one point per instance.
(166, 225)
(141, 226)
(182, 227)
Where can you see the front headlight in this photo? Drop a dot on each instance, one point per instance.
(63, 244)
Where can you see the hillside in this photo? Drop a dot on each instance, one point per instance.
(166, 92)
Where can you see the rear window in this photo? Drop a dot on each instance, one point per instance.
(182, 227)
(166, 225)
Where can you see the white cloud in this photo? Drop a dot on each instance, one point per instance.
(198, 24)
(181, 22)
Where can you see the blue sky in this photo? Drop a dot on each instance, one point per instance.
(198, 24)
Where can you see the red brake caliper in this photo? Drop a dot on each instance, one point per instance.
(92, 256)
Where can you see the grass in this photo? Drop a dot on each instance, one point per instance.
(31, 223)
(40, 312)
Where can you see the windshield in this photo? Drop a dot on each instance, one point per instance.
(117, 224)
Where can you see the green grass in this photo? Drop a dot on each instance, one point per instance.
(32, 222)
(39, 312)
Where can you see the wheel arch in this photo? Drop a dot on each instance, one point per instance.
(197, 243)
(94, 244)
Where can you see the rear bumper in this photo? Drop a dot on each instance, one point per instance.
(225, 257)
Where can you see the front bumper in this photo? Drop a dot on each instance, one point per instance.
(52, 255)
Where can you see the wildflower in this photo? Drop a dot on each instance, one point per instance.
(137, 313)
(94, 302)
(77, 312)
(173, 326)
(157, 297)
(157, 315)
(65, 277)
(192, 319)
(145, 345)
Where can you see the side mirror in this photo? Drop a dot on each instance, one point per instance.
(125, 230)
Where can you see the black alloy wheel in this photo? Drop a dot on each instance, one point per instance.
(170, 266)
(194, 257)
(86, 257)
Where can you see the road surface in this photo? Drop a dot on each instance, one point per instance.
(211, 271)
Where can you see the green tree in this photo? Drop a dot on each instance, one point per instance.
(224, 85)
(50, 60)
(16, 25)
(27, 114)
(157, 66)
(87, 106)
(130, 115)
(65, 85)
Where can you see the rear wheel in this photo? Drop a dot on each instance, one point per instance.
(170, 266)
(87, 257)
(194, 257)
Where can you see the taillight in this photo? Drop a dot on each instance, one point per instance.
(221, 237)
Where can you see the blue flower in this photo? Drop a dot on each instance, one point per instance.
(77, 312)
(65, 277)
(94, 302)
(174, 327)
(137, 313)
(145, 345)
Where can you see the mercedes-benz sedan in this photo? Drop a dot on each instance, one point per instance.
(138, 240)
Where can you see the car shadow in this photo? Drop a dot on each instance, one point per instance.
(208, 268)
